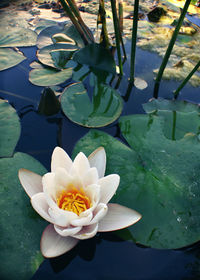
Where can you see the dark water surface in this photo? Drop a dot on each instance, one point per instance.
(105, 256)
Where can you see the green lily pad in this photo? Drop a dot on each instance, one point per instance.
(47, 36)
(49, 76)
(9, 129)
(105, 108)
(174, 112)
(21, 227)
(10, 58)
(17, 37)
(94, 55)
(56, 55)
(159, 178)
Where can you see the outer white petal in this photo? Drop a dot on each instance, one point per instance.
(81, 164)
(60, 159)
(98, 159)
(53, 245)
(108, 187)
(118, 217)
(40, 205)
(82, 221)
(99, 213)
(90, 177)
(87, 232)
(69, 231)
(31, 182)
(62, 178)
(61, 217)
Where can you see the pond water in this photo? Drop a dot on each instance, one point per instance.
(105, 256)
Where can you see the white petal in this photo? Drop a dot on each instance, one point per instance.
(98, 159)
(62, 177)
(108, 187)
(93, 192)
(40, 205)
(60, 159)
(51, 189)
(68, 231)
(118, 217)
(99, 213)
(53, 245)
(82, 221)
(87, 232)
(31, 182)
(90, 177)
(61, 217)
(81, 164)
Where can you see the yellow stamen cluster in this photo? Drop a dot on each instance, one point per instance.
(74, 200)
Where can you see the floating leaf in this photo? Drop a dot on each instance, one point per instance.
(17, 37)
(49, 76)
(9, 129)
(62, 38)
(140, 84)
(21, 227)
(96, 56)
(55, 60)
(159, 178)
(105, 108)
(180, 117)
(10, 58)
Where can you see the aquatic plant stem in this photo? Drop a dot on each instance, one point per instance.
(169, 49)
(104, 40)
(74, 21)
(117, 34)
(75, 10)
(134, 39)
(176, 92)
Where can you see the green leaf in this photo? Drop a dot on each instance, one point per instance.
(9, 129)
(17, 37)
(56, 55)
(96, 56)
(159, 178)
(21, 227)
(180, 117)
(49, 76)
(105, 108)
(10, 58)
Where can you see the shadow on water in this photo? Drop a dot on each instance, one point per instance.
(105, 256)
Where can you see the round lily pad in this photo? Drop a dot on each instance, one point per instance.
(56, 55)
(10, 58)
(159, 179)
(49, 76)
(21, 226)
(105, 107)
(17, 37)
(9, 129)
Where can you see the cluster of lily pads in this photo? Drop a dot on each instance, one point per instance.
(159, 165)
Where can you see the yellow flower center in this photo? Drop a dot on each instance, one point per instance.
(74, 200)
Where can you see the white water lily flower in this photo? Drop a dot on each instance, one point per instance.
(74, 198)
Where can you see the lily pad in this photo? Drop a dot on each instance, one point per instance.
(159, 178)
(174, 113)
(9, 129)
(21, 227)
(10, 58)
(56, 55)
(17, 37)
(105, 108)
(94, 55)
(49, 76)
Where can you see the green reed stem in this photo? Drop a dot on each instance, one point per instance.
(104, 40)
(134, 39)
(169, 49)
(120, 8)
(176, 92)
(74, 21)
(117, 34)
(75, 10)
